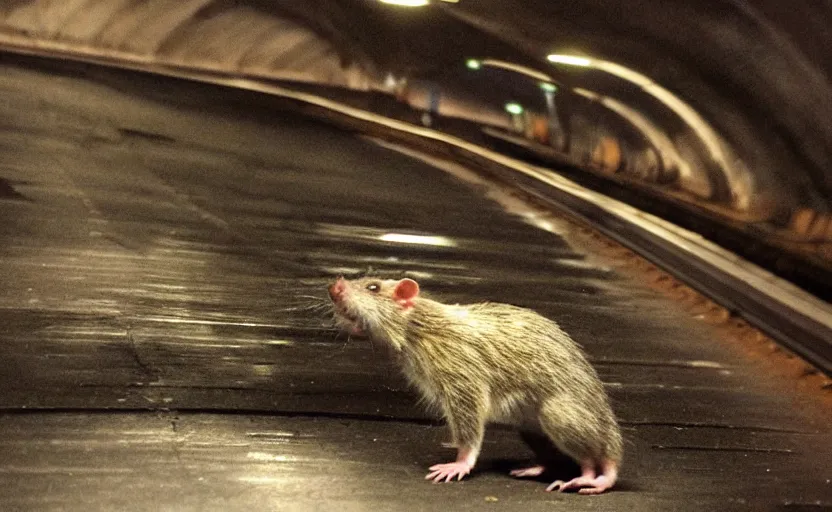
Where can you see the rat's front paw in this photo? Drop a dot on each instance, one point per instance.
(447, 472)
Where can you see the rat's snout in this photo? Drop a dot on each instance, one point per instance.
(336, 290)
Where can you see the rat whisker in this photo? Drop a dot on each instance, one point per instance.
(314, 297)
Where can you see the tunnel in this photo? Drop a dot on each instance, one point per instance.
(182, 182)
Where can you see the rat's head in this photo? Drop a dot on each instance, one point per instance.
(373, 306)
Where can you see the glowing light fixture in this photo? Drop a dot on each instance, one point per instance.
(548, 87)
(514, 108)
(406, 3)
(417, 239)
(473, 64)
(572, 60)
(697, 123)
(537, 75)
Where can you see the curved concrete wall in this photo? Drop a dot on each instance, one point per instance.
(722, 106)
(228, 37)
(756, 73)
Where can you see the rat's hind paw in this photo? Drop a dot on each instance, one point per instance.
(583, 485)
(528, 472)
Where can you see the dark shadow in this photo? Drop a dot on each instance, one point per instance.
(560, 467)
(8, 192)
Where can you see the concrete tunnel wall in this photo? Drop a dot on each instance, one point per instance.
(757, 71)
(280, 41)
(326, 43)
(205, 34)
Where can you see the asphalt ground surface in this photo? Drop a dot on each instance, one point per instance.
(165, 249)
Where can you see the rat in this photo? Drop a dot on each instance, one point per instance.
(491, 362)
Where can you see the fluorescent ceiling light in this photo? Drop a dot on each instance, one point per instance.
(514, 108)
(572, 60)
(406, 3)
(473, 64)
(548, 87)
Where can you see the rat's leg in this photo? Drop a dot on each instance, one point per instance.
(576, 434)
(465, 411)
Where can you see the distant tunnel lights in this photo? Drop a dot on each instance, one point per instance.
(687, 113)
(473, 64)
(406, 3)
(514, 108)
(414, 3)
(572, 60)
(546, 86)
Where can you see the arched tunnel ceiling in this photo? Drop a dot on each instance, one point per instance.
(227, 36)
(758, 70)
(721, 104)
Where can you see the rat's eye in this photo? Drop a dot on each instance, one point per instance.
(374, 287)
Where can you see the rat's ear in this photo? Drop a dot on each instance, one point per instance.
(406, 290)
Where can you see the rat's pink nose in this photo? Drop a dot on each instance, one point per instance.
(336, 290)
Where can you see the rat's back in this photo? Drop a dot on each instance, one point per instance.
(513, 348)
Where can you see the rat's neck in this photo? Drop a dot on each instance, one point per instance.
(400, 327)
